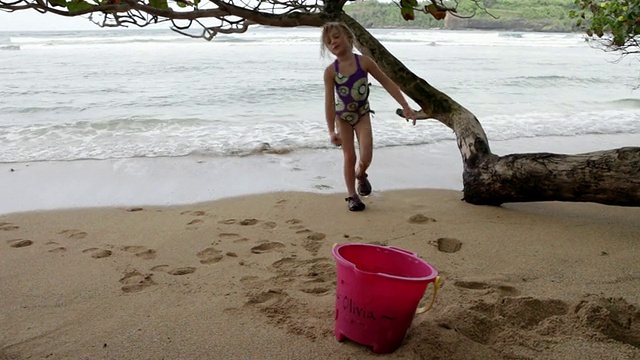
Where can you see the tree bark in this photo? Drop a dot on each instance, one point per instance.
(609, 177)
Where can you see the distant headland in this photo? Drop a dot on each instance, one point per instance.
(509, 15)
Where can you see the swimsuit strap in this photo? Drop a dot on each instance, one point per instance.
(335, 63)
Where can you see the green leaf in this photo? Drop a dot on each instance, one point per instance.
(406, 10)
(58, 3)
(78, 5)
(160, 4)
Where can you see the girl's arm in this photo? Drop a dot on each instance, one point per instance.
(372, 68)
(329, 100)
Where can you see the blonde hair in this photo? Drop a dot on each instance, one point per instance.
(326, 33)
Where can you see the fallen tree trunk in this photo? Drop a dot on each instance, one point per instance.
(609, 177)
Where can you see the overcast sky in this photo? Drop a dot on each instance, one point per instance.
(32, 20)
(25, 20)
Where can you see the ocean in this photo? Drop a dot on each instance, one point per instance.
(114, 94)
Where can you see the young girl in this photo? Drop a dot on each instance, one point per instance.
(349, 111)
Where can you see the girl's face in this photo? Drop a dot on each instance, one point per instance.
(338, 43)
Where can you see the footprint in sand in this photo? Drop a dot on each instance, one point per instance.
(97, 253)
(248, 222)
(316, 290)
(5, 226)
(289, 293)
(135, 281)
(269, 225)
(293, 221)
(73, 234)
(314, 242)
(504, 290)
(266, 296)
(209, 256)
(323, 187)
(449, 245)
(59, 249)
(194, 213)
(251, 282)
(266, 247)
(140, 251)
(135, 209)
(160, 268)
(379, 243)
(316, 236)
(148, 254)
(193, 224)
(229, 236)
(315, 276)
(182, 271)
(133, 248)
(18, 243)
(228, 221)
(420, 219)
(303, 231)
(280, 204)
(472, 285)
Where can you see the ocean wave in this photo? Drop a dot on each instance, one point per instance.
(627, 103)
(39, 109)
(290, 36)
(546, 80)
(150, 137)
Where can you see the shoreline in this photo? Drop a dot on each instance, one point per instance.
(179, 181)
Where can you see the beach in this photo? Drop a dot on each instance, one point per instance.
(252, 276)
(172, 207)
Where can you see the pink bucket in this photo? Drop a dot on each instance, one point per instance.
(377, 293)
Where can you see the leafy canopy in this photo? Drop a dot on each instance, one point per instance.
(615, 23)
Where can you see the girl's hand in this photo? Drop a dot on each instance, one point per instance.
(335, 139)
(409, 114)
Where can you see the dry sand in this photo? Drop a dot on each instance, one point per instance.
(253, 278)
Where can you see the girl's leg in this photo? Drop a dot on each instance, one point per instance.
(349, 152)
(365, 145)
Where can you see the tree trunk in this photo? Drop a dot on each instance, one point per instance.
(608, 177)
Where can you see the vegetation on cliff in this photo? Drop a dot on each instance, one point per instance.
(517, 15)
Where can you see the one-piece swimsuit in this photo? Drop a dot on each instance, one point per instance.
(352, 102)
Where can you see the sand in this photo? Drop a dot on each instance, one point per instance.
(253, 278)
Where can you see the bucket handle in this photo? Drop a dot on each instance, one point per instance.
(436, 285)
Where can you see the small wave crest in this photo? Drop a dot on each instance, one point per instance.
(628, 103)
(548, 80)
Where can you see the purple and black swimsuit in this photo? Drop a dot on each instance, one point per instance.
(352, 102)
